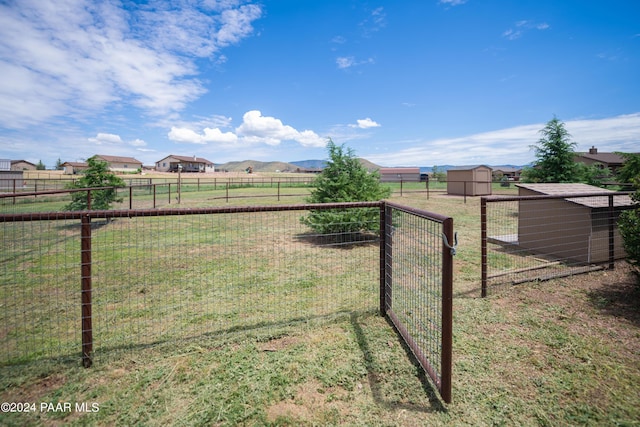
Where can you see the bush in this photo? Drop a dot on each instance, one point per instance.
(629, 226)
(96, 175)
(345, 179)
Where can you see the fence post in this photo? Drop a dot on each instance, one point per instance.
(130, 197)
(383, 234)
(278, 188)
(611, 221)
(483, 246)
(387, 291)
(85, 267)
(447, 312)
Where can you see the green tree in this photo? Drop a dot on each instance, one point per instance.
(629, 221)
(594, 174)
(96, 175)
(345, 179)
(629, 227)
(631, 168)
(59, 164)
(554, 154)
(40, 166)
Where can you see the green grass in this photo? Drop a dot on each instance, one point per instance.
(562, 352)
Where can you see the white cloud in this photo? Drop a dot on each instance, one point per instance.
(523, 26)
(512, 145)
(452, 2)
(367, 123)
(208, 135)
(256, 128)
(74, 58)
(344, 62)
(106, 138)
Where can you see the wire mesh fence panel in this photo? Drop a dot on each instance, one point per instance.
(419, 288)
(39, 290)
(531, 238)
(167, 276)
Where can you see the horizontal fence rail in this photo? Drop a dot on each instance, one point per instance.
(529, 238)
(418, 287)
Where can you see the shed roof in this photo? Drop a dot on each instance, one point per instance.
(466, 168)
(556, 189)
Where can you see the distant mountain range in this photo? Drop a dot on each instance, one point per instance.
(317, 164)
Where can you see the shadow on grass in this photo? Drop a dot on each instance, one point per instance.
(621, 299)
(375, 384)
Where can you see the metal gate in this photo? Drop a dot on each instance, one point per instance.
(417, 287)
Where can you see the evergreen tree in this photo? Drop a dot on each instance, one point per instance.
(629, 221)
(345, 179)
(40, 166)
(59, 164)
(96, 175)
(555, 156)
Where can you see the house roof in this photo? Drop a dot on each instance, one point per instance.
(118, 159)
(76, 164)
(13, 162)
(188, 159)
(604, 158)
(555, 189)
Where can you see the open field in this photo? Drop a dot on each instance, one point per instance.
(562, 352)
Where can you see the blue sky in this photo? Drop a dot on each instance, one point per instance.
(402, 83)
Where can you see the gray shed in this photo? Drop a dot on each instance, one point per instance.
(469, 180)
(574, 228)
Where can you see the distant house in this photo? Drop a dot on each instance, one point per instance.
(399, 174)
(120, 164)
(172, 162)
(512, 174)
(612, 161)
(576, 228)
(22, 165)
(72, 168)
(469, 180)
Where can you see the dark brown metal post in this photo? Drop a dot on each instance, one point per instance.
(383, 233)
(483, 246)
(130, 197)
(154, 195)
(85, 267)
(612, 248)
(388, 258)
(447, 312)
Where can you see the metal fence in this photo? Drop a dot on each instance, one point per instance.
(529, 238)
(418, 286)
(105, 282)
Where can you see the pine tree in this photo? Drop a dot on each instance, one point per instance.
(345, 179)
(96, 175)
(555, 156)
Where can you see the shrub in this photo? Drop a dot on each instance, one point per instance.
(629, 226)
(345, 179)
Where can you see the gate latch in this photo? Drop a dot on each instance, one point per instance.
(455, 242)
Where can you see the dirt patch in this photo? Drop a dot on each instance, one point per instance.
(311, 401)
(279, 344)
(36, 391)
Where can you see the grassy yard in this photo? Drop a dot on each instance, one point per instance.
(562, 352)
